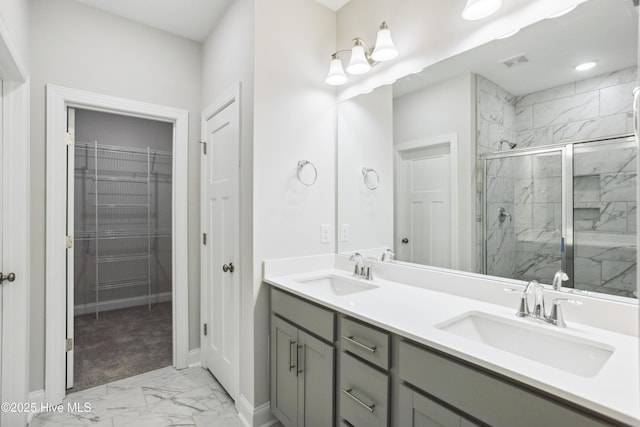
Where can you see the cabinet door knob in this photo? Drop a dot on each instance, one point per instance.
(405, 240)
(10, 277)
(228, 268)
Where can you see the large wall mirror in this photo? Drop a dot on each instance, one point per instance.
(506, 159)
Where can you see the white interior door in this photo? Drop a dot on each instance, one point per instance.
(424, 207)
(221, 281)
(71, 119)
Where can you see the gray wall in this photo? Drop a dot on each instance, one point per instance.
(83, 48)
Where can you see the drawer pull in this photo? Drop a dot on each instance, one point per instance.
(359, 344)
(360, 402)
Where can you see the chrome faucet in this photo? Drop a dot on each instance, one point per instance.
(387, 255)
(360, 269)
(538, 312)
(558, 278)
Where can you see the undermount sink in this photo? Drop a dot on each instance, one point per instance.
(571, 354)
(338, 285)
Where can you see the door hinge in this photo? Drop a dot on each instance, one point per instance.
(68, 345)
(205, 329)
(69, 138)
(69, 242)
(204, 238)
(204, 146)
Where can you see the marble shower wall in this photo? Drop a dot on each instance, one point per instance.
(605, 219)
(585, 109)
(496, 115)
(526, 246)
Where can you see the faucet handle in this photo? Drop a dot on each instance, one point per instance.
(555, 317)
(523, 307)
(387, 255)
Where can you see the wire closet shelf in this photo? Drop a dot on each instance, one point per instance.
(118, 219)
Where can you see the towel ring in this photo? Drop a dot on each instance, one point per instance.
(301, 165)
(367, 177)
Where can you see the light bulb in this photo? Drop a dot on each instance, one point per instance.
(586, 66)
(384, 50)
(336, 76)
(359, 64)
(478, 9)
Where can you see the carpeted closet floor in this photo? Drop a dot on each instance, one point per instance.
(121, 343)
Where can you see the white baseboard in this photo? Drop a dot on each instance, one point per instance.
(194, 358)
(120, 303)
(254, 417)
(36, 397)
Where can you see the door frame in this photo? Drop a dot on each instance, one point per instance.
(16, 227)
(450, 140)
(230, 96)
(58, 99)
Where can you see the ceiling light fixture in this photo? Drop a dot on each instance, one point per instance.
(586, 66)
(478, 9)
(562, 12)
(362, 57)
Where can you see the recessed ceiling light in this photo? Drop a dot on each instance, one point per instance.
(509, 34)
(586, 66)
(562, 12)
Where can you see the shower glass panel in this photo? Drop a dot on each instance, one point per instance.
(523, 200)
(569, 206)
(604, 211)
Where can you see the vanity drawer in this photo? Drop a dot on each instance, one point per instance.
(364, 394)
(311, 317)
(491, 399)
(371, 344)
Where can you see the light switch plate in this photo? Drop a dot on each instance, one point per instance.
(344, 232)
(325, 236)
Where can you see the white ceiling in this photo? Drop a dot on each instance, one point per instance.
(192, 19)
(601, 30)
(334, 5)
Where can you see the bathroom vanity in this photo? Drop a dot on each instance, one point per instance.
(354, 352)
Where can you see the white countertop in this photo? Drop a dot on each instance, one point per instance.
(412, 312)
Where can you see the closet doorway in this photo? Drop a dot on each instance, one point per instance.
(120, 212)
(59, 242)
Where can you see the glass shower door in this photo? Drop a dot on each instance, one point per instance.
(523, 212)
(604, 211)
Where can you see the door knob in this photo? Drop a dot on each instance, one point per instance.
(228, 267)
(10, 277)
(405, 240)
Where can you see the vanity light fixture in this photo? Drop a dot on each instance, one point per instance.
(562, 12)
(362, 57)
(478, 9)
(586, 66)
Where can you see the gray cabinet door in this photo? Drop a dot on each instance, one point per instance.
(284, 375)
(417, 410)
(316, 386)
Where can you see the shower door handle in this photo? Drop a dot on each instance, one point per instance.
(228, 267)
(636, 100)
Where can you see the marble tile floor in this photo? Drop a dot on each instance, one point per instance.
(164, 397)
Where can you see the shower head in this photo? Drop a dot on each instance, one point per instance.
(511, 145)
